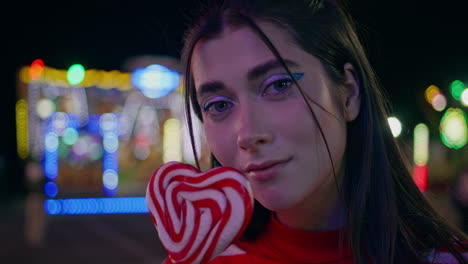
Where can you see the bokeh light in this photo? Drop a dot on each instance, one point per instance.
(80, 148)
(95, 150)
(395, 126)
(70, 136)
(92, 78)
(421, 177)
(110, 141)
(172, 141)
(22, 137)
(75, 74)
(110, 179)
(421, 144)
(155, 81)
(45, 108)
(439, 102)
(79, 206)
(36, 69)
(464, 97)
(431, 92)
(51, 141)
(60, 122)
(108, 122)
(454, 128)
(51, 165)
(142, 140)
(456, 89)
(51, 189)
(435, 98)
(140, 153)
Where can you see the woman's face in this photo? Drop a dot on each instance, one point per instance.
(256, 120)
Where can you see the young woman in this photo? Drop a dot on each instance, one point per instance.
(286, 94)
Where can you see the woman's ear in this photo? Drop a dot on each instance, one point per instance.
(352, 93)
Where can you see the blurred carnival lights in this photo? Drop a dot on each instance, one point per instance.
(454, 128)
(172, 138)
(464, 97)
(35, 124)
(146, 131)
(395, 126)
(155, 81)
(70, 136)
(44, 108)
(435, 98)
(421, 144)
(456, 89)
(421, 156)
(76, 74)
(51, 189)
(22, 137)
(92, 78)
(56, 132)
(82, 206)
(109, 129)
(51, 143)
(36, 69)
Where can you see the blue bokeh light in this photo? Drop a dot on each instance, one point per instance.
(110, 179)
(155, 81)
(79, 206)
(52, 207)
(51, 189)
(51, 142)
(110, 141)
(109, 161)
(51, 165)
(108, 122)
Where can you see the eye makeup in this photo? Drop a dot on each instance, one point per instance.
(279, 84)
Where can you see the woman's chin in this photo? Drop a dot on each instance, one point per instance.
(277, 203)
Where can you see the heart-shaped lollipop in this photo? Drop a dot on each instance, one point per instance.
(198, 214)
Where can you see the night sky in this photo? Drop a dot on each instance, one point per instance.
(411, 44)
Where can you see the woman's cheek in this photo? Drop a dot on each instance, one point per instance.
(220, 143)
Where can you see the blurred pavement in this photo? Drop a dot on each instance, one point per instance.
(76, 239)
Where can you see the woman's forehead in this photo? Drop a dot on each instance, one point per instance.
(239, 49)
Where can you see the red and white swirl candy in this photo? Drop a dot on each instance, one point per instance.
(198, 214)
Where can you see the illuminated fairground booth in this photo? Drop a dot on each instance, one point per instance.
(92, 138)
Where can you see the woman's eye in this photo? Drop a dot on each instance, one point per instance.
(279, 84)
(217, 107)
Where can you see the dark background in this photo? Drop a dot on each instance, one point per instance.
(412, 44)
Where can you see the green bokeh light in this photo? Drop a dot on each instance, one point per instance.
(75, 74)
(70, 136)
(456, 89)
(454, 128)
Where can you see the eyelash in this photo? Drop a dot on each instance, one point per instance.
(277, 79)
(270, 82)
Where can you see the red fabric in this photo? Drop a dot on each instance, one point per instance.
(280, 244)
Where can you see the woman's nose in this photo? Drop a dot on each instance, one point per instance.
(252, 143)
(253, 132)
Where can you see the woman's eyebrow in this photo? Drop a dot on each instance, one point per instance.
(210, 87)
(264, 68)
(252, 74)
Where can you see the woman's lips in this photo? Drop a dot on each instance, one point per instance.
(265, 172)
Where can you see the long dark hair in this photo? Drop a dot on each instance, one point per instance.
(388, 219)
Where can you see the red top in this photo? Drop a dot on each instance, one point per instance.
(280, 244)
